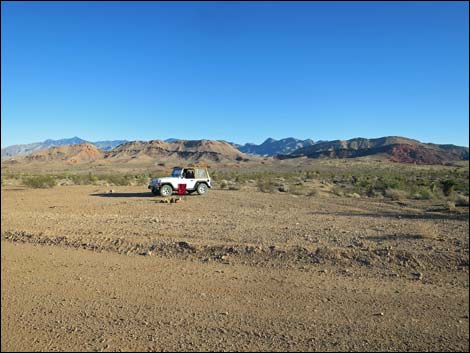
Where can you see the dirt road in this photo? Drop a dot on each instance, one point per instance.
(83, 269)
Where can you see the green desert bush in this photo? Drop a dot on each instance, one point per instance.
(40, 181)
(388, 182)
(119, 180)
(83, 179)
(93, 179)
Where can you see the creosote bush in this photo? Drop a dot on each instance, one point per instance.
(448, 186)
(40, 181)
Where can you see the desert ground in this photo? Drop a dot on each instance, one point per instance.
(84, 268)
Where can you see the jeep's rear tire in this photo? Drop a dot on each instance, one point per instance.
(202, 189)
(166, 190)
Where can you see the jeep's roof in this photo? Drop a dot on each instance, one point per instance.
(192, 166)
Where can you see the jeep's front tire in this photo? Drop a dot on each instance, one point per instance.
(202, 188)
(166, 190)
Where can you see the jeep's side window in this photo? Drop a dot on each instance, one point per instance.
(189, 174)
(201, 173)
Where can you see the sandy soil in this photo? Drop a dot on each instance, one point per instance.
(83, 269)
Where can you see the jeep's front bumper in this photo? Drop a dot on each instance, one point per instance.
(154, 186)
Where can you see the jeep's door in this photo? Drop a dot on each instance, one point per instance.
(189, 178)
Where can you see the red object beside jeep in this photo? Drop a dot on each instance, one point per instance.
(181, 189)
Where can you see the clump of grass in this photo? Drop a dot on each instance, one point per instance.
(40, 181)
(223, 184)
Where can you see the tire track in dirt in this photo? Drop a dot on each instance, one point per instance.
(399, 261)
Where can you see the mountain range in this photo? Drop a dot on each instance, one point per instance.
(394, 148)
(146, 152)
(174, 150)
(25, 149)
(272, 147)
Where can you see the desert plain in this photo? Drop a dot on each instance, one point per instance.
(112, 268)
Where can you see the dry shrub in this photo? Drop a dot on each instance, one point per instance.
(461, 201)
(424, 230)
(337, 191)
(297, 190)
(354, 195)
(395, 194)
(423, 194)
(314, 192)
(266, 185)
(450, 206)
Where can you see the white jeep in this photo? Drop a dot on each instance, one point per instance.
(196, 179)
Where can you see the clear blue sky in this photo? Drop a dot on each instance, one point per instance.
(235, 71)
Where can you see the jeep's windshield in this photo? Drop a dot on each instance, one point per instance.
(176, 173)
